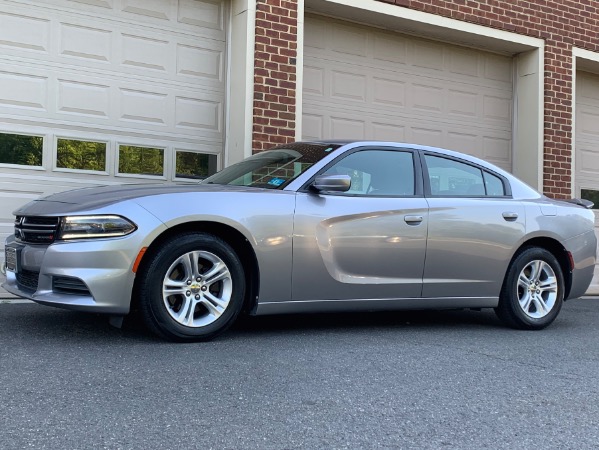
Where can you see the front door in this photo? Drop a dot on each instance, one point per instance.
(367, 243)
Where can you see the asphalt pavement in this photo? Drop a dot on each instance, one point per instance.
(454, 379)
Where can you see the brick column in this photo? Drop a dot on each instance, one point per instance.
(275, 73)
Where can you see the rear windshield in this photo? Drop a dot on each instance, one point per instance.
(273, 169)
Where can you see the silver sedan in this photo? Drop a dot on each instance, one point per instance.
(307, 227)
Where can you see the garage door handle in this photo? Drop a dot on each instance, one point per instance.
(510, 216)
(413, 220)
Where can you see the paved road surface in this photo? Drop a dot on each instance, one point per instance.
(382, 380)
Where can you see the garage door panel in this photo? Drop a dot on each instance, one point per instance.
(588, 161)
(24, 32)
(124, 73)
(83, 98)
(149, 8)
(389, 92)
(388, 132)
(23, 89)
(366, 88)
(587, 144)
(362, 82)
(116, 103)
(587, 120)
(105, 46)
(321, 121)
(348, 86)
(396, 115)
(390, 48)
(427, 55)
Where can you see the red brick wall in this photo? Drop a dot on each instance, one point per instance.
(275, 73)
(561, 23)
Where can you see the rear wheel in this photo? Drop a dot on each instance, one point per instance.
(192, 288)
(533, 290)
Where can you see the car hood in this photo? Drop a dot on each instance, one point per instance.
(87, 199)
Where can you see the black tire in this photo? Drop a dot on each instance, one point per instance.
(533, 290)
(192, 308)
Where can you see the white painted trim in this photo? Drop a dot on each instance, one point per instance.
(529, 119)
(249, 94)
(593, 57)
(573, 189)
(299, 71)
(439, 21)
(241, 44)
(585, 54)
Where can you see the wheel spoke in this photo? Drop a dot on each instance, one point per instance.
(185, 314)
(186, 261)
(523, 280)
(215, 300)
(195, 256)
(540, 304)
(535, 269)
(218, 272)
(213, 309)
(174, 287)
(525, 301)
(548, 285)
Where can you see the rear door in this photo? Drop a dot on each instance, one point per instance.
(369, 242)
(474, 225)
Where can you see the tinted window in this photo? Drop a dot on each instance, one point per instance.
(377, 172)
(81, 155)
(141, 160)
(591, 195)
(21, 149)
(453, 178)
(494, 185)
(194, 165)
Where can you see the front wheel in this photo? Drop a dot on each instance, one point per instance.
(192, 288)
(533, 290)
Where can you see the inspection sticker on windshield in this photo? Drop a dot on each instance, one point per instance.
(276, 181)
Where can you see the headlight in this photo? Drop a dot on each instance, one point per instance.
(87, 227)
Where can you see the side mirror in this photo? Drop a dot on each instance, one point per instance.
(332, 183)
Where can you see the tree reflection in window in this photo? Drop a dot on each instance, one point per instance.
(141, 160)
(591, 195)
(195, 165)
(21, 149)
(81, 155)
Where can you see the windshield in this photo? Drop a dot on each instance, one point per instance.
(273, 169)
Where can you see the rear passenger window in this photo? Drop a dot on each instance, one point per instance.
(453, 178)
(494, 185)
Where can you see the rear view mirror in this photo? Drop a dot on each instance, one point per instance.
(332, 183)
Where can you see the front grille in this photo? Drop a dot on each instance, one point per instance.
(69, 285)
(36, 230)
(27, 279)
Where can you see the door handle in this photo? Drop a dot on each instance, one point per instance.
(510, 216)
(412, 220)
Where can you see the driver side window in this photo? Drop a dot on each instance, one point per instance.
(377, 173)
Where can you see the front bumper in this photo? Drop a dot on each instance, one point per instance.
(102, 273)
(89, 275)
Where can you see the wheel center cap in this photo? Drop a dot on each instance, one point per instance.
(195, 288)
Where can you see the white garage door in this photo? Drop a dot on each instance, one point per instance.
(361, 82)
(108, 91)
(586, 160)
